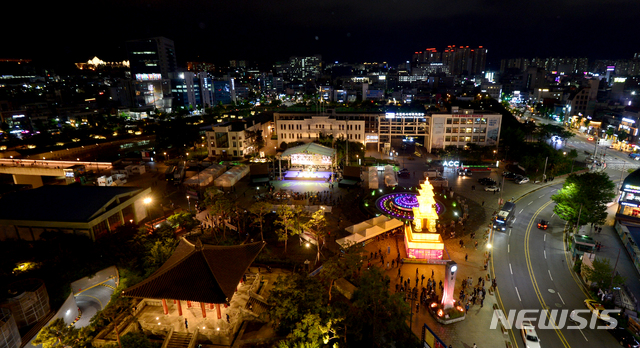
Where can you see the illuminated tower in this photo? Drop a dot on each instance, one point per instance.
(425, 215)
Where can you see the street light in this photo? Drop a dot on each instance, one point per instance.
(189, 201)
(146, 202)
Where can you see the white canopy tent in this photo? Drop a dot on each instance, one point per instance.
(206, 176)
(232, 176)
(390, 176)
(369, 229)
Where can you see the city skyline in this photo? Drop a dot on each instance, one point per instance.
(353, 32)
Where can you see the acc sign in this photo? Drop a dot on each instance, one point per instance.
(450, 163)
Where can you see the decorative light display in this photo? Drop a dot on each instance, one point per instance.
(400, 205)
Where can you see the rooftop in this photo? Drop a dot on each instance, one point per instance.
(197, 272)
(71, 203)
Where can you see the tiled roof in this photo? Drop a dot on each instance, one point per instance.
(199, 273)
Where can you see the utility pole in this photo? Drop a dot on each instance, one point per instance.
(613, 273)
(544, 173)
(579, 213)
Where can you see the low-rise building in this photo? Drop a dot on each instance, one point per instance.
(239, 137)
(307, 127)
(91, 211)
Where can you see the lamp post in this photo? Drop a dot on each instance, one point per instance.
(189, 202)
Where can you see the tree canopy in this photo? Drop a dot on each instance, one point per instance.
(601, 273)
(585, 197)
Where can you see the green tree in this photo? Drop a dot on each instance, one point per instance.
(260, 209)
(311, 331)
(289, 218)
(118, 305)
(136, 340)
(342, 265)
(219, 205)
(584, 197)
(56, 333)
(601, 273)
(292, 297)
(623, 135)
(159, 254)
(185, 220)
(378, 316)
(317, 227)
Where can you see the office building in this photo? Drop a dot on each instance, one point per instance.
(307, 127)
(463, 126)
(235, 138)
(395, 127)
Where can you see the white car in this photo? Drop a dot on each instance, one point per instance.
(529, 335)
(522, 181)
(492, 188)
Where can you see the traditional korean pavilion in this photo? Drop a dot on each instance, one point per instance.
(200, 275)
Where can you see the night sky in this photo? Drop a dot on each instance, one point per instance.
(340, 30)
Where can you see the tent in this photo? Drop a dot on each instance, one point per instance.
(232, 176)
(372, 176)
(390, 176)
(206, 176)
(369, 229)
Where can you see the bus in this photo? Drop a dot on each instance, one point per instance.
(178, 175)
(505, 217)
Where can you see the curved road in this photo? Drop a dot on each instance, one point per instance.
(532, 273)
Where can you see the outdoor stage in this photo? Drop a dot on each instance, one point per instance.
(304, 175)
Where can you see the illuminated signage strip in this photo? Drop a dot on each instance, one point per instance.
(629, 204)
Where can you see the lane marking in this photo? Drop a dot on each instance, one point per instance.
(514, 221)
(530, 203)
(560, 298)
(508, 249)
(509, 232)
(510, 269)
(541, 196)
(534, 282)
(550, 275)
(545, 238)
(521, 211)
(545, 253)
(517, 292)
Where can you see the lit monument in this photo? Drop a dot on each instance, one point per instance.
(421, 241)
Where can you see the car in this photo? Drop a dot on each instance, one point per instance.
(522, 181)
(624, 337)
(404, 173)
(596, 308)
(529, 335)
(492, 188)
(464, 172)
(510, 175)
(590, 138)
(542, 225)
(486, 181)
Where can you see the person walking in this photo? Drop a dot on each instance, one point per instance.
(466, 256)
(186, 323)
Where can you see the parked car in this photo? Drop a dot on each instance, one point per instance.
(510, 175)
(529, 335)
(492, 188)
(486, 181)
(522, 181)
(464, 172)
(404, 173)
(624, 337)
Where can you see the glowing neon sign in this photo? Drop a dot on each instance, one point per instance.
(451, 163)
